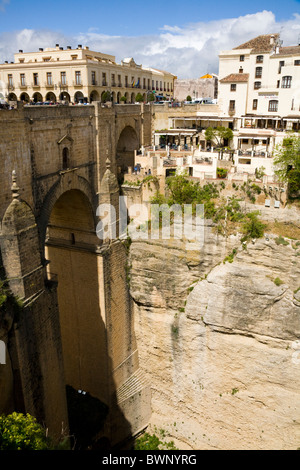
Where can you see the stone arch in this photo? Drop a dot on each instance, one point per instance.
(119, 97)
(127, 96)
(51, 97)
(78, 96)
(64, 96)
(70, 249)
(94, 96)
(25, 97)
(37, 97)
(113, 96)
(132, 99)
(12, 97)
(128, 142)
(67, 181)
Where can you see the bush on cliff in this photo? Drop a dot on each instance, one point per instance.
(22, 432)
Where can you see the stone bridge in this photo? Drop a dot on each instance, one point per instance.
(74, 329)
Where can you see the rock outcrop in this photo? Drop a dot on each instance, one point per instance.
(219, 341)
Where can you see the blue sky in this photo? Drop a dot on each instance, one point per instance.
(183, 36)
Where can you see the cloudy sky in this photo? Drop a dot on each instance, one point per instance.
(183, 37)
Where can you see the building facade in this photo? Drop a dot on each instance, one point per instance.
(259, 88)
(203, 87)
(79, 75)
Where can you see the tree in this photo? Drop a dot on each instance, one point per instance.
(287, 163)
(188, 98)
(22, 432)
(106, 96)
(218, 135)
(123, 98)
(252, 226)
(150, 97)
(139, 98)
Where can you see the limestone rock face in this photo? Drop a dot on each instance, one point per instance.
(220, 341)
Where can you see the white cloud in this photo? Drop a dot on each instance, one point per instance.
(188, 52)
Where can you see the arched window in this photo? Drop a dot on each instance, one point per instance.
(286, 81)
(65, 158)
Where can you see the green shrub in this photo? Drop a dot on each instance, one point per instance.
(152, 442)
(252, 227)
(281, 241)
(278, 281)
(21, 432)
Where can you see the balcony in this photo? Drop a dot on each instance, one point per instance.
(113, 84)
(22, 86)
(35, 85)
(104, 83)
(231, 111)
(94, 83)
(77, 83)
(48, 85)
(10, 87)
(63, 85)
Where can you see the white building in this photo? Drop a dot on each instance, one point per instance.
(259, 87)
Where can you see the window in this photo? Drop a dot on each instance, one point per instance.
(119, 80)
(10, 80)
(113, 82)
(258, 72)
(281, 64)
(104, 79)
(65, 158)
(144, 83)
(22, 79)
(254, 104)
(232, 105)
(63, 78)
(286, 81)
(78, 78)
(242, 58)
(93, 78)
(257, 85)
(241, 70)
(157, 84)
(36, 79)
(273, 105)
(126, 81)
(297, 62)
(293, 105)
(278, 83)
(233, 87)
(49, 78)
(259, 59)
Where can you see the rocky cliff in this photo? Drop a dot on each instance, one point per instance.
(219, 341)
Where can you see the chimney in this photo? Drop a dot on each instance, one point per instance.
(20, 50)
(86, 47)
(272, 40)
(79, 46)
(41, 49)
(61, 48)
(6, 62)
(57, 46)
(69, 47)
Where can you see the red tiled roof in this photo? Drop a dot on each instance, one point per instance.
(260, 43)
(289, 50)
(236, 77)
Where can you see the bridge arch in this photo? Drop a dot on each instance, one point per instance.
(127, 143)
(71, 251)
